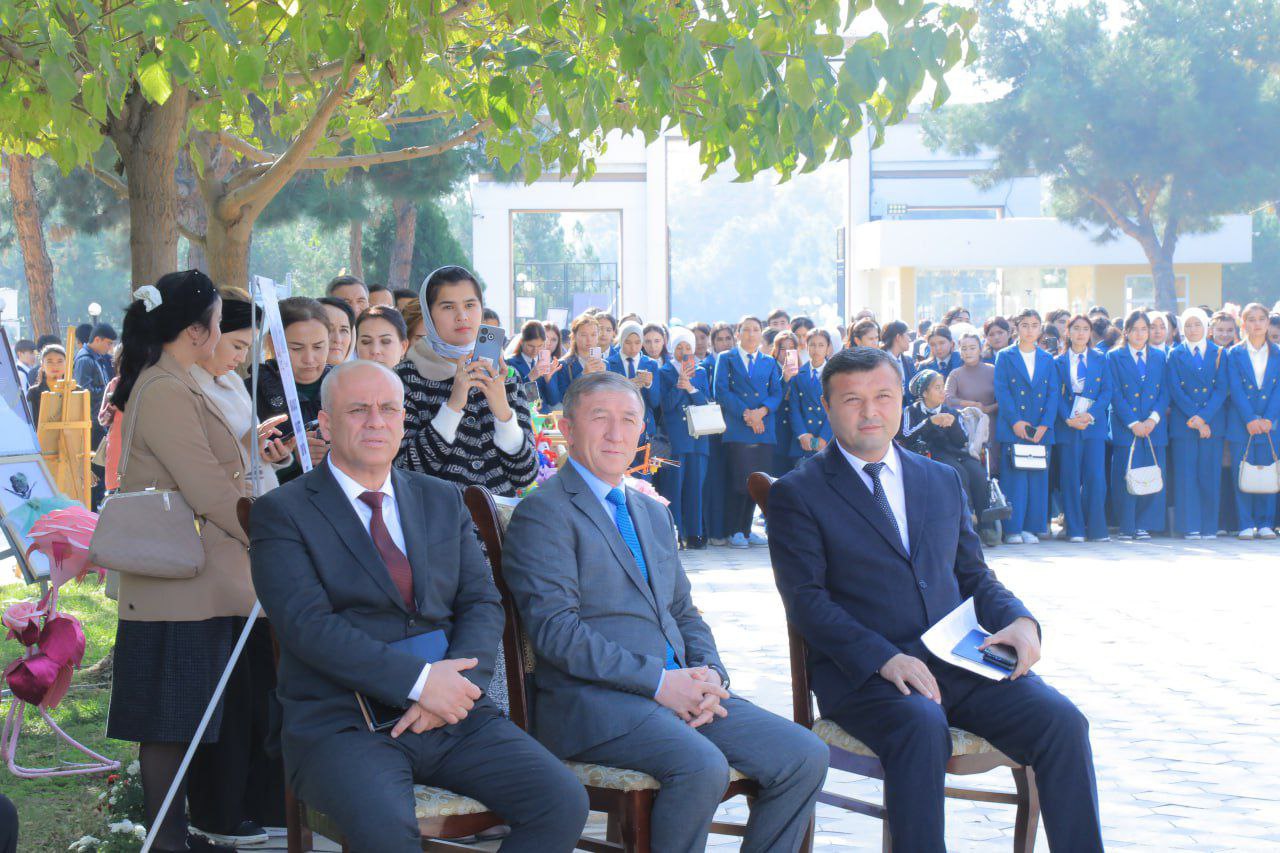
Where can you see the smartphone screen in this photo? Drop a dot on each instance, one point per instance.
(595, 352)
(544, 358)
(793, 358)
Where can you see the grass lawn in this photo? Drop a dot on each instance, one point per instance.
(55, 812)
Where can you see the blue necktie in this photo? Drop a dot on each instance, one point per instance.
(1199, 359)
(1142, 365)
(873, 470)
(751, 362)
(1080, 367)
(622, 518)
(631, 368)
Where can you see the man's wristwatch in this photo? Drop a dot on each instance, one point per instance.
(719, 670)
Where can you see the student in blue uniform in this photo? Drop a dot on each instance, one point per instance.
(584, 356)
(722, 340)
(1027, 391)
(1196, 375)
(785, 343)
(684, 383)
(630, 361)
(608, 342)
(1080, 438)
(1253, 371)
(748, 387)
(1139, 400)
(809, 424)
(942, 352)
(523, 357)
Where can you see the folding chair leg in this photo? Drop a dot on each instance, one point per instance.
(1027, 819)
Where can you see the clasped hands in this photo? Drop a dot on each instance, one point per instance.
(1143, 429)
(1022, 428)
(754, 418)
(694, 694)
(445, 699)
(906, 672)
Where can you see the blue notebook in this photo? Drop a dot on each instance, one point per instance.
(968, 648)
(431, 647)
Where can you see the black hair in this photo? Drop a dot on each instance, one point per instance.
(1133, 317)
(953, 313)
(25, 345)
(44, 340)
(300, 309)
(378, 288)
(923, 326)
(856, 360)
(237, 314)
(768, 335)
(892, 330)
(1098, 309)
(533, 330)
(802, 322)
(332, 302)
(384, 312)
(403, 293)
(1026, 314)
(491, 317)
(613, 321)
(446, 275)
(1100, 326)
(938, 330)
(654, 327)
(747, 318)
(83, 332)
(860, 329)
(820, 333)
(777, 313)
(343, 281)
(186, 299)
(103, 330)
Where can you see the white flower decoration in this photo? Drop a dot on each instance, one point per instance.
(150, 297)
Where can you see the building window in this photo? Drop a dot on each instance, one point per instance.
(938, 290)
(1140, 291)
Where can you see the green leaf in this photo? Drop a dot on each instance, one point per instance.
(94, 97)
(521, 57)
(215, 13)
(58, 78)
(154, 79)
(799, 86)
(248, 69)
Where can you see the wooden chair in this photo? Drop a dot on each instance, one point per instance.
(626, 796)
(970, 754)
(442, 814)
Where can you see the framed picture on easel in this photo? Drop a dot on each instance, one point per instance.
(17, 432)
(27, 492)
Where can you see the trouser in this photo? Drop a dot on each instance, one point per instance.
(974, 479)
(1026, 719)
(1082, 477)
(686, 494)
(1252, 510)
(364, 781)
(1134, 513)
(741, 461)
(1197, 483)
(692, 765)
(714, 500)
(1028, 496)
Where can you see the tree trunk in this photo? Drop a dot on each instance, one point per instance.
(147, 137)
(355, 248)
(402, 250)
(191, 212)
(227, 246)
(1165, 281)
(35, 256)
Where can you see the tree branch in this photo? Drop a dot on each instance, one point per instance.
(244, 148)
(389, 120)
(119, 187)
(14, 51)
(346, 161)
(191, 236)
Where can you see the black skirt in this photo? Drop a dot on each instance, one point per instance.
(164, 675)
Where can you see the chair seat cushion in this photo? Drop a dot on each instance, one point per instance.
(620, 779)
(429, 803)
(962, 742)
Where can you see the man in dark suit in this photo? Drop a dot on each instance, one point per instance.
(627, 672)
(872, 547)
(352, 557)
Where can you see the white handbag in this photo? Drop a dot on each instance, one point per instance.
(703, 420)
(1146, 480)
(1030, 457)
(1260, 479)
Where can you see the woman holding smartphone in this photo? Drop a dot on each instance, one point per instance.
(786, 351)
(585, 356)
(465, 419)
(685, 384)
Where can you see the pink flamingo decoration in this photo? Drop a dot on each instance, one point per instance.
(54, 642)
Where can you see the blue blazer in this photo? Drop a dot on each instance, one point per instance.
(1197, 391)
(855, 614)
(807, 413)
(674, 402)
(1134, 400)
(517, 363)
(1248, 401)
(652, 395)
(1022, 398)
(736, 392)
(572, 367)
(945, 368)
(1097, 387)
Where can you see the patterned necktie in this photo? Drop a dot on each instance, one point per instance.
(873, 470)
(397, 563)
(622, 518)
(631, 368)
(1142, 365)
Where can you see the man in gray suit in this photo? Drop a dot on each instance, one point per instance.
(627, 672)
(347, 560)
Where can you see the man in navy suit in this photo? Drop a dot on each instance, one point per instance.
(871, 546)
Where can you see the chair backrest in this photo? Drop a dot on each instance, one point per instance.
(516, 652)
(758, 485)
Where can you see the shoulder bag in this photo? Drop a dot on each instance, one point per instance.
(1260, 479)
(706, 419)
(1030, 457)
(1146, 480)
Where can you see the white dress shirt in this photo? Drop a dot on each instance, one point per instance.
(891, 481)
(1154, 417)
(1077, 378)
(391, 518)
(744, 355)
(1258, 357)
(1029, 359)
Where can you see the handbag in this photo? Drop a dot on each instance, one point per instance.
(151, 533)
(1260, 479)
(1030, 457)
(706, 419)
(1146, 480)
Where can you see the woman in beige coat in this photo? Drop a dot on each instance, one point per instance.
(174, 637)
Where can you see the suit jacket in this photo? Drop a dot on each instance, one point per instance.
(1197, 391)
(1248, 399)
(599, 631)
(807, 414)
(1021, 397)
(1133, 399)
(1097, 387)
(675, 400)
(335, 608)
(736, 392)
(848, 586)
(944, 367)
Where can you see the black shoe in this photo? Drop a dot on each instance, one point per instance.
(201, 844)
(697, 543)
(247, 834)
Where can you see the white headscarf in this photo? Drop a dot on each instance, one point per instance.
(678, 335)
(442, 347)
(631, 327)
(1194, 314)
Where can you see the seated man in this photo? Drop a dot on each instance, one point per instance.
(348, 559)
(627, 672)
(873, 546)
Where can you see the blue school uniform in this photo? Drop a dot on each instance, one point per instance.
(713, 488)
(807, 414)
(571, 368)
(1082, 454)
(652, 395)
(1034, 399)
(736, 391)
(1250, 401)
(1197, 386)
(944, 367)
(687, 481)
(1138, 392)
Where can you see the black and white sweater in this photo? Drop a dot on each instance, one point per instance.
(472, 457)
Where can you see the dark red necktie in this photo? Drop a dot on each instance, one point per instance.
(397, 563)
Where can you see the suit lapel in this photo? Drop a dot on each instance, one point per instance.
(1020, 365)
(413, 525)
(854, 492)
(585, 500)
(328, 497)
(917, 494)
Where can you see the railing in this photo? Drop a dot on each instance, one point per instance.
(572, 286)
